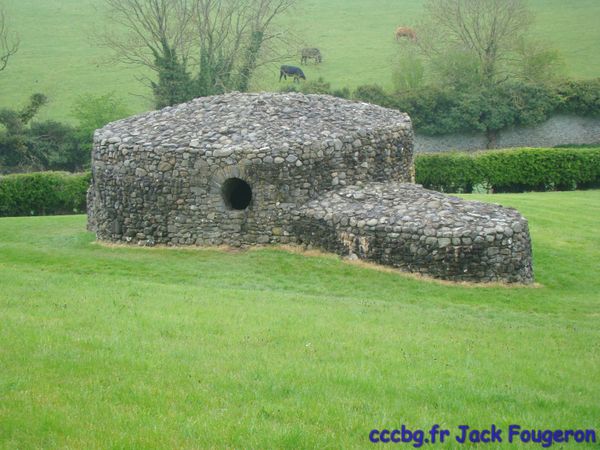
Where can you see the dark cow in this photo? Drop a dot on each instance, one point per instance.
(292, 71)
(313, 53)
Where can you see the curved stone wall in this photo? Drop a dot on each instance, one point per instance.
(244, 169)
(162, 177)
(422, 231)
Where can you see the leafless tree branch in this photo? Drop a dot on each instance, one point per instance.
(151, 27)
(9, 41)
(488, 29)
(218, 43)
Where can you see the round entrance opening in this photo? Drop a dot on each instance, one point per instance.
(236, 193)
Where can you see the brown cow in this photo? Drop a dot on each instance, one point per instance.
(406, 32)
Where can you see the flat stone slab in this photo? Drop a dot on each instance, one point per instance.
(418, 230)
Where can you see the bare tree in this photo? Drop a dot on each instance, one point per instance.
(234, 38)
(486, 30)
(150, 29)
(158, 35)
(9, 42)
(196, 47)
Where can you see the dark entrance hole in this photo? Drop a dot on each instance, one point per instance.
(237, 194)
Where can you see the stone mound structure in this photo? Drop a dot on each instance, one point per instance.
(242, 169)
(418, 230)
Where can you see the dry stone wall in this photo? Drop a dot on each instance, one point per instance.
(159, 177)
(242, 169)
(561, 129)
(422, 231)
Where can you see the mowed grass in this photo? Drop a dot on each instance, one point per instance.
(60, 57)
(161, 348)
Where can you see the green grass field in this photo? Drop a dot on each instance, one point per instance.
(59, 57)
(155, 348)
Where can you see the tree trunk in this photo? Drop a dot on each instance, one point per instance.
(250, 59)
(492, 138)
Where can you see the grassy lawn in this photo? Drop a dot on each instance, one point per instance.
(153, 348)
(60, 57)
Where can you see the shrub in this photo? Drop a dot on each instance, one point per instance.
(60, 146)
(447, 172)
(439, 110)
(515, 170)
(436, 110)
(410, 73)
(318, 86)
(93, 112)
(26, 145)
(341, 92)
(580, 97)
(43, 193)
(442, 110)
(16, 151)
(375, 94)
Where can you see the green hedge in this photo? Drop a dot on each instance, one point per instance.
(439, 110)
(43, 193)
(580, 97)
(514, 170)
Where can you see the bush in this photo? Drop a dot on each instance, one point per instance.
(27, 146)
(375, 94)
(580, 97)
(43, 193)
(436, 110)
(341, 92)
(439, 110)
(515, 170)
(410, 73)
(60, 146)
(442, 110)
(447, 172)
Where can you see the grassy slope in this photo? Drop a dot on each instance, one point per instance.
(58, 55)
(150, 348)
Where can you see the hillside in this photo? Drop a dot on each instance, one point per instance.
(59, 56)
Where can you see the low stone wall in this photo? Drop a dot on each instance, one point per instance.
(559, 130)
(418, 230)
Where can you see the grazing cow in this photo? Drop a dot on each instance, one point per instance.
(313, 53)
(292, 71)
(406, 32)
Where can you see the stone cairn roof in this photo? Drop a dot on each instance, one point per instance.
(247, 123)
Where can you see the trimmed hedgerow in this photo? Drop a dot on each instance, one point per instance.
(43, 193)
(514, 170)
(447, 172)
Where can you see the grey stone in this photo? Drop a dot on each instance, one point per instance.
(221, 153)
(444, 242)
